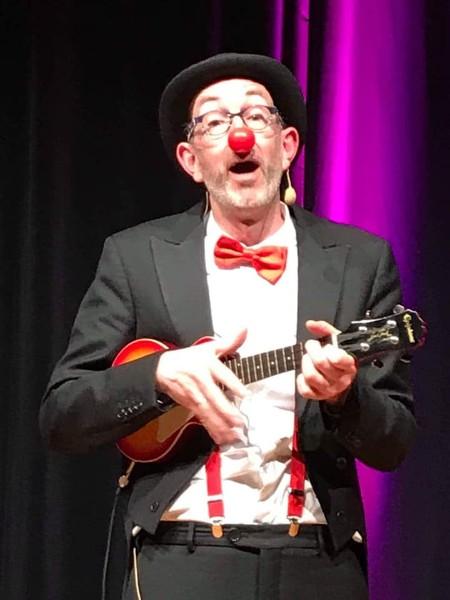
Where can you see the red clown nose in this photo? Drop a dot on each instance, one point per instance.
(241, 140)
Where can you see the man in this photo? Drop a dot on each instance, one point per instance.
(263, 500)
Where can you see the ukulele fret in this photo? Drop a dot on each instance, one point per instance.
(259, 367)
(245, 371)
(254, 371)
(232, 364)
(273, 363)
(289, 359)
(280, 361)
(248, 366)
(265, 363)
(297, 353)
(285, 361)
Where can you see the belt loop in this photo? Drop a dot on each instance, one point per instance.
(190, 537)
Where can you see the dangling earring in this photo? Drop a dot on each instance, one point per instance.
(290, 195)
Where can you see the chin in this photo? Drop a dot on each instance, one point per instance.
(250, 202)
(249, 198)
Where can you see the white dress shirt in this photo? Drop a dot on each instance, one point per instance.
(255, 473)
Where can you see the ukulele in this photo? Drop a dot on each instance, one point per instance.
(366, 340)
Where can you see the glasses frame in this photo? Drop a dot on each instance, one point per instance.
(189, 127)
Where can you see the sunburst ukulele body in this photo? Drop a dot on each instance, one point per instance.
(156, 440)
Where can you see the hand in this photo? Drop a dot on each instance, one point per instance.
(327, 371)
(193, 377)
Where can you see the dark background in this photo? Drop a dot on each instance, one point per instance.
(81, 158)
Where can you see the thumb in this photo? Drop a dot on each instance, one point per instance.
(320, 328)
(229, 345)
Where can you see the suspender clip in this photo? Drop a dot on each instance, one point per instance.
(294, 526)
(217, 529)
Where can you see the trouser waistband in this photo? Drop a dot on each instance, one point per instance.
(193, 534)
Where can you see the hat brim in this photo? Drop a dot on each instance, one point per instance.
(179, 93)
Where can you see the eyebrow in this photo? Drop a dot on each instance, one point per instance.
(249, 93)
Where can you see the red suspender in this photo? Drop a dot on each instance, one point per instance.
(296, 497)
(216, 509)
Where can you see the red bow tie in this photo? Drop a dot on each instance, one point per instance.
(269, 261)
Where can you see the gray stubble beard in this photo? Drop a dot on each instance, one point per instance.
(247, 197)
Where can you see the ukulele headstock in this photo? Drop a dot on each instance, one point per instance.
(402, 331)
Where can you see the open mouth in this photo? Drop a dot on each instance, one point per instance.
(246, 166)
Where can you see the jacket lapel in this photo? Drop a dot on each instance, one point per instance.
(321, 267)
(180, 265)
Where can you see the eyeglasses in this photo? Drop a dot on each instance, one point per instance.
(217, 122)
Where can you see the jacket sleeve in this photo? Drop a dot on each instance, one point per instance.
(376, 423)
(88, 402)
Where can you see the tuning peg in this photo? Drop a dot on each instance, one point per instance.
(398, 308)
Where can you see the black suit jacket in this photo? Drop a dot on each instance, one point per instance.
(151, 282)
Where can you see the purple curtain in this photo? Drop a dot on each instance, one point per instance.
(368, 171)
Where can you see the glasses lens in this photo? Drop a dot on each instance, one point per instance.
(215, 122)
(257, 117)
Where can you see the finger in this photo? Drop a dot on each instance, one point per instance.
(216, 414)
(215, 403)
(228, 437)
(313, 378)
(319, 356)
(197, 391)
(221, 431)
(224, 376)
(330, 360)
(305, 390)
(320, 328)
(341, 360)
(229, 345)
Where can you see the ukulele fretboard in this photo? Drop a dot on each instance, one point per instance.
(259, 366)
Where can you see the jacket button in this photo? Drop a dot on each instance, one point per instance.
(341, 463)
(353, 439)
(234, 535)
(154, 506)
(340, 514)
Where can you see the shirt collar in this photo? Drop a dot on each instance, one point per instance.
(284, 236)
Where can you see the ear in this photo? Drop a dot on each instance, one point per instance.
(290, 143)
(188, 161)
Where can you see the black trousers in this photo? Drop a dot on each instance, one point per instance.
(184, 562)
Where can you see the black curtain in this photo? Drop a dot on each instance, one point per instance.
(80, 159)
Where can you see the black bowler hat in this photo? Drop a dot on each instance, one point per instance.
(179, 93)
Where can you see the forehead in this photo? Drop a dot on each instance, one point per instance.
(230, 91)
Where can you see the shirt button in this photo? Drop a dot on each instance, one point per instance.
(234, 535)
(154, 506)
